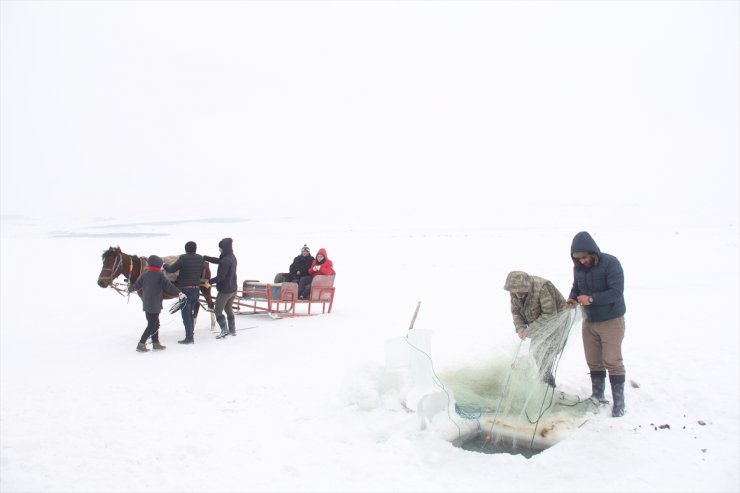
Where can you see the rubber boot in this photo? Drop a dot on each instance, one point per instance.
(598, 382)
(549, 379)
(222, 324)
(617, 383)
(141, 347)
(158, 347)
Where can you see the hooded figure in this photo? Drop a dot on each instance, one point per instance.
(225, 279)
(226, 286)
(599, 276)
(598, 285)
(535, 302)
(320, 266)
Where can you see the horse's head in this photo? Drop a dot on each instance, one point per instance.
(112, 266)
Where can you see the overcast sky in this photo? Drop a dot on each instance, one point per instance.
(113, 109)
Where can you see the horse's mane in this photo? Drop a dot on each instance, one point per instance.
(109, 251)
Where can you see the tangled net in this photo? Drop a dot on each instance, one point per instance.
(512, 401)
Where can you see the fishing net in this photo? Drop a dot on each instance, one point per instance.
(511, 401)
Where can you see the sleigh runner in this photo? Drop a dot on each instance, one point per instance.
(281, 299)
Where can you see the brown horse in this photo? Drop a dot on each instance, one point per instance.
(116, 263)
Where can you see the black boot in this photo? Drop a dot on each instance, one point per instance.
(598, 382)
(189, 339)
(549, 379)
(617, 382)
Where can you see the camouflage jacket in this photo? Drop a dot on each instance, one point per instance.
(543, 301)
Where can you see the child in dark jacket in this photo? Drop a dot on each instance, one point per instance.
(154, 284)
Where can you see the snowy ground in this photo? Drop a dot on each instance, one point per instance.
(301, 404)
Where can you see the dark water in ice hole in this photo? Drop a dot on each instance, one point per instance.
(482, 443)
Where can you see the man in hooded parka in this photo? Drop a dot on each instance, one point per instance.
(226, 286)
(598, 286)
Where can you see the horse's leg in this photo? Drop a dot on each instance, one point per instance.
(209, 302)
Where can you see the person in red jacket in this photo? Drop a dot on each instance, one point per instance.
(320, 266)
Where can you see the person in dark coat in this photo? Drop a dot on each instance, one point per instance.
(598, 286)
(300, 267)
(189, 267)
(226, 285)
(153, 284)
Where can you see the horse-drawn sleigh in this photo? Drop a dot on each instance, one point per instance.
(281, 299)
(274, 299)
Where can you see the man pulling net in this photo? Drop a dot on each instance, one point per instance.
(535, 305)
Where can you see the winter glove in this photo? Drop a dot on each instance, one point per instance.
(182, 296)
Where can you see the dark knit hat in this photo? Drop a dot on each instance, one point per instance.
(155, 261)
(190, 247)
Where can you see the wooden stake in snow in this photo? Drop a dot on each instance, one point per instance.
(416, 312)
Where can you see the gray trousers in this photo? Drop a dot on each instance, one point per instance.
(225, 301)
(602, 344)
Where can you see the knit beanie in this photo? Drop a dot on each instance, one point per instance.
(155, 261)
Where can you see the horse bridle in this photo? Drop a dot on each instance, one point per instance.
(114, 269)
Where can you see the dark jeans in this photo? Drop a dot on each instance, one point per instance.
(187, 310)
(304, 287)
(152, 328)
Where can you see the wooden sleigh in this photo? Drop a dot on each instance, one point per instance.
(281, 299)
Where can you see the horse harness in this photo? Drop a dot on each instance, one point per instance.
(118, 265)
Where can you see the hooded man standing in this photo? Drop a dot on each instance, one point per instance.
(226, 286)
(598, 286)
(189, 267)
